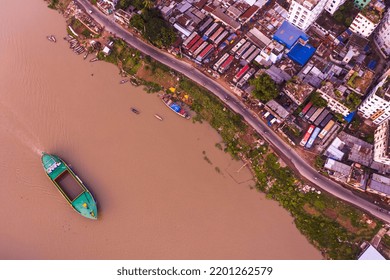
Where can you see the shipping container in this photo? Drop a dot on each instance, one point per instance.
(316, 114)
(220, 61)
(321, 117)
(326, 129)
(240, 73)
(237, 46)
(221, 37)
(205, 25)
(313, 137)
(310, 112)
(226, 64)
(242, 49)
(201, 48)
(307, 135)
(305, 109)
(248, 52)
(253, 55)
(210, 31)
(216, 34)
(206, 52)
(326, 120)
(189, 38)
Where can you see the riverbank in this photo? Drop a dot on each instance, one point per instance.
(279, 183)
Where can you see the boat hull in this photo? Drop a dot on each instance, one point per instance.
(82, 200)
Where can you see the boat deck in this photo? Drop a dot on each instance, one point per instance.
(69, 185)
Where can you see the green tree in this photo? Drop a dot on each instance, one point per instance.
(317, 100)
(353, 101)
(265, 88)
(137, 22)
(148, 4)
(123, 4)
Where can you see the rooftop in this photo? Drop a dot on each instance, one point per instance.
(309, 4)
(301, 53)
(297, 90)
(288, 34)
(373, 12)
(384, 90)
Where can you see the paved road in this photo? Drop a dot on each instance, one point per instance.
(283, 150)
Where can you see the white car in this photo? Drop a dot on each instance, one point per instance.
(90, 11)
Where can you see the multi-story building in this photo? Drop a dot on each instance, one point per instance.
(368, 19)
(377, 105)
(303, 13)
(332, 5)
(327, 92)
(381, 143)
(382, 36)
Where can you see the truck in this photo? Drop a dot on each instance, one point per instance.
(242, 49)
(221, 37)
(240, 73)
(253, 55)
(201, 48)
(321, 117)
(246, 77)
(237, 46)
(226, 64)
(192, 42)
(206, 52)
(316, 114)
(210, 30)
(205, 24)
(195, 46)
(310, 112)
(305, 109)
(220, 61)
(248, 52)
(326, 120)
(326, 129)
(189, 38)
(312, 138)
(307, 135)
(216, 34)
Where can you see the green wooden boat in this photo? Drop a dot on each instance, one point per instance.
(70, 186)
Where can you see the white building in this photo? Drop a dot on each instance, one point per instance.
(332, 5)
(327, 92)
(382, 37)
(363, 25)
(303, 13)
(377, 105)
(381, 144)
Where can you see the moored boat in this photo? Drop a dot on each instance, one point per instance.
(166, 98)
(123, 81)
(70, 186)
(158, 117)
(94, 59)
(134, 110)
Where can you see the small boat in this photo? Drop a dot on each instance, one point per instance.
(70, 186)
(166, 98)
(123, 81)
(134, 110)
(158, 117)
(51, 38)
(86, 55)
(94, 59)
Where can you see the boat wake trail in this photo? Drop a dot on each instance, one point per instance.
(12, 124)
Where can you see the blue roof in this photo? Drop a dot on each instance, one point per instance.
(371, 65)
(350, 116)
(288, 34)
(301, 54)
